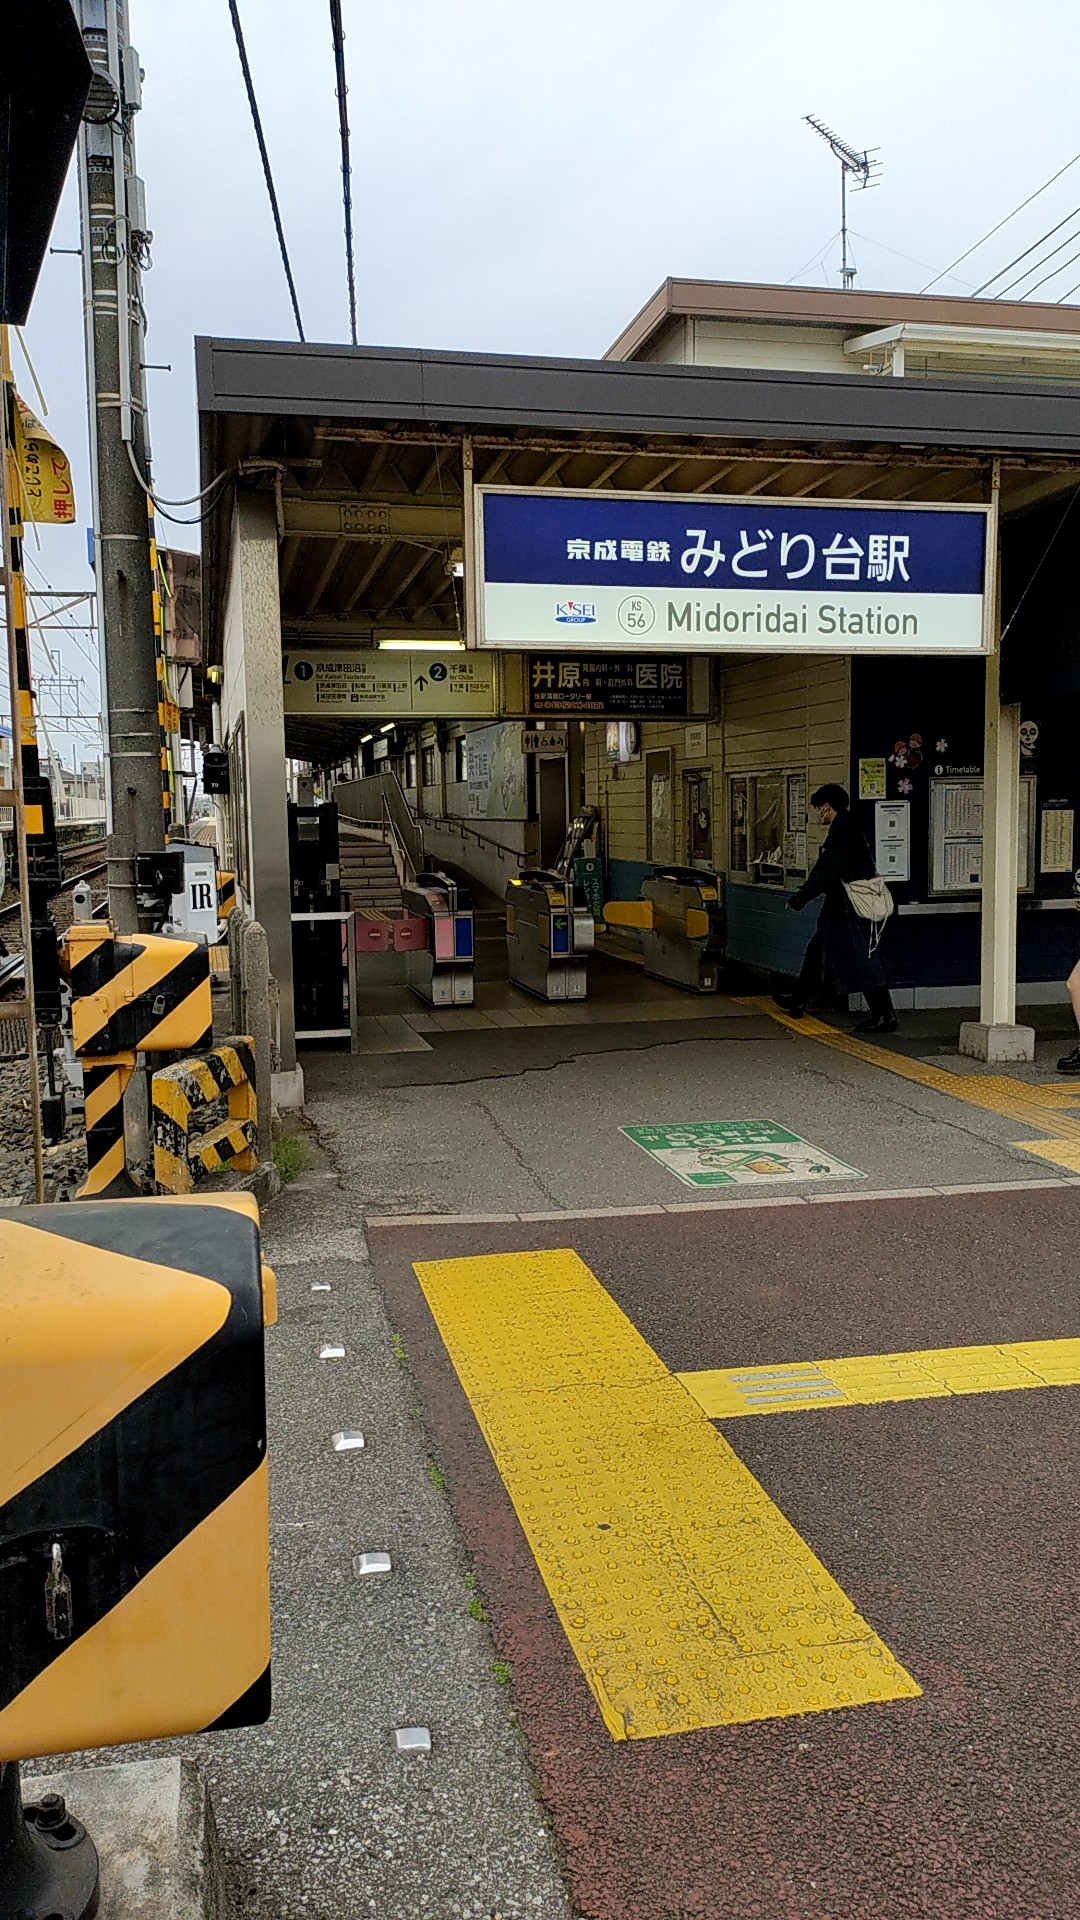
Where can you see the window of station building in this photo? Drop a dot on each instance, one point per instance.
(461, 760)
(410, 769)
(767, 826)
(427, 766)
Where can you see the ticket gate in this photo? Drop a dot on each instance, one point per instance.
(549, 935)
(680, 919)
(441, 972)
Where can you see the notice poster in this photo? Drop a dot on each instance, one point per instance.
(1058, 833)
(892, 839)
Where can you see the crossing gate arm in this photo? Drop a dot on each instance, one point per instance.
(180, 1091)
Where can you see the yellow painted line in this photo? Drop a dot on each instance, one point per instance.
(688, 1599)
(727, 1393)
(1033, 1106)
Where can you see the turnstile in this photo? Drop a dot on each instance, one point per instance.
(441, 972)
(680, 919)
(549, 935)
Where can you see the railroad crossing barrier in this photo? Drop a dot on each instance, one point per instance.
(134, 1523)
(178, 1092)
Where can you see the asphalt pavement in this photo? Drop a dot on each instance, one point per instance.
(949, 1521)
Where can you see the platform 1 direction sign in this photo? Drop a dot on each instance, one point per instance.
(587, 571)
(370, 685)
(726, 1153)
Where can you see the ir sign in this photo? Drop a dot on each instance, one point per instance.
(543, 740)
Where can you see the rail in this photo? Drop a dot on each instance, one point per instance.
(70, 879)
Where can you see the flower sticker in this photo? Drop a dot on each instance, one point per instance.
(905, 786)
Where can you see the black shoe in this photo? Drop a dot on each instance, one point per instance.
(796, 1008)
(1071, 1062)
(883, 1023)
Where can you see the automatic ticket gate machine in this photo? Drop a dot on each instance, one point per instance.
(549, 925)
(441, 972)
(680, 918)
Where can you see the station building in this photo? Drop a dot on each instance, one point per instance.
(342, 619)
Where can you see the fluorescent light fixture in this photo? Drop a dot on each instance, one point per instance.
(390, 728)
(421, 646)
(365, 738)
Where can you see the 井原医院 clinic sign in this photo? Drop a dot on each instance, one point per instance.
(593, 570)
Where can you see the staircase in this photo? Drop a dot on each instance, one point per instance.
(368, 875)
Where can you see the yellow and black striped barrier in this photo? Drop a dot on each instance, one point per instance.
(135, 991)
(226, 894)
(130, 993)
(105, 1083)
(226, 1071)
(134, 1530)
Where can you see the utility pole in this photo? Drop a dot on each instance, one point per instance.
(115, 249)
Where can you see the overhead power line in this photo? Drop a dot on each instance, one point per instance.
(338, 31)
(945, 271)
(257, 123)
(1048, 235)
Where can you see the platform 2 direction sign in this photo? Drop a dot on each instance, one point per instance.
(726, 1153)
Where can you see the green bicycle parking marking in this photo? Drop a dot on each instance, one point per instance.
(724, 1153)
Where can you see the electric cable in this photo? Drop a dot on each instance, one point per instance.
(1054, 271)
(274, 208)
(218, 480)
(338, 31)
(945, 271)
(1037, 569)
(1048, 235)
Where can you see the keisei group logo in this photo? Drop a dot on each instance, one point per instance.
(576, 613)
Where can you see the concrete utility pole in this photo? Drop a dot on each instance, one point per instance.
(115, 244)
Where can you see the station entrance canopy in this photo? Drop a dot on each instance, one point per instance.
(364, 457)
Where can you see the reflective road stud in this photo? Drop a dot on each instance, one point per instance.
(687, 1597)
(134, 1538)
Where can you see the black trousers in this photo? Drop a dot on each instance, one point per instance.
(878, 999)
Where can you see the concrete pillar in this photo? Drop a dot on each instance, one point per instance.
(252, 696)
(995, 1036)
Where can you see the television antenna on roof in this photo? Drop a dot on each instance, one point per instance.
(865, 171)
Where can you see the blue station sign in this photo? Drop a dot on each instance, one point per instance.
(579, 570)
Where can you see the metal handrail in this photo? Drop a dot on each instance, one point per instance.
(452, 822)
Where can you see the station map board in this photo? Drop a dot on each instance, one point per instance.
(387, 685)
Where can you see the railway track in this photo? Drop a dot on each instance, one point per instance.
(79, 863)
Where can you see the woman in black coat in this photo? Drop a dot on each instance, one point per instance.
(838, 958)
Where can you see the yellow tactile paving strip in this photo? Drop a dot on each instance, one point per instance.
(937, 1373)
(1031, 1105)
(688, 1599)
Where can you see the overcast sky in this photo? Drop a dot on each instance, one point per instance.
(526, 174)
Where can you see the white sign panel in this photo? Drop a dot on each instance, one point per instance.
(375, 685)
(892, 839)
(575, 570)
